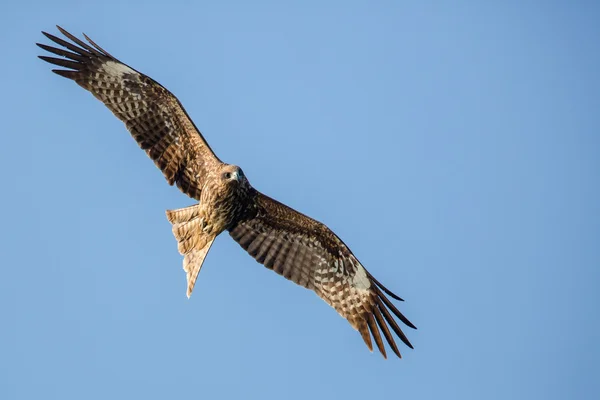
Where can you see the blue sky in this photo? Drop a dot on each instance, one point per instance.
(454, 147)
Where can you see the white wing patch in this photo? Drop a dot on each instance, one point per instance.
(116, 69)
(360, 279)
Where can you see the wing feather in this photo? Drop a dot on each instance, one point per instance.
(61, 52)
(386, 331)
(152, 114)
(306, 252)
(375, 332)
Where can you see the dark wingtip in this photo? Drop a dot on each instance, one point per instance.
(65, 74)
(96, 46)
(386, 290)
(62, 62)
(390, 320)
(393, 308)
(410, 324)
(48, 35)
(376, 334)
(386, 331)
(366, 336)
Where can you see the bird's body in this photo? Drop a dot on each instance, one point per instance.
(225, 199)
(298, 247)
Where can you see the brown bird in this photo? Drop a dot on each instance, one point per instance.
(301, 249)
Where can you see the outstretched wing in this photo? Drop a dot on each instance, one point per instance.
(152, 114)
(308, 253)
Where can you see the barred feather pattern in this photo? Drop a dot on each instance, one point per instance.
(306, 252)
(152, 114)
(193, 242)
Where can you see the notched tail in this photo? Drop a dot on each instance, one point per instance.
(192, 242)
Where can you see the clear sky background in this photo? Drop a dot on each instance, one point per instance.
(454, 147)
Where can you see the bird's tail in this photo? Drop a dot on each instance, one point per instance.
(193, 242)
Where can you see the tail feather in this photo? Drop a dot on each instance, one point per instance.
(192, 263)
(192, 242)
(183, 214)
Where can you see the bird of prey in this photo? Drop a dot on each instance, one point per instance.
(301, 249)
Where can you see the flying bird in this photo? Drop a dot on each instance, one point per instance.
(292, 244)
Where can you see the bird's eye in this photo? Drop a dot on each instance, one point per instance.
(227, 175)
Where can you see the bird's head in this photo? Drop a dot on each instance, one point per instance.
(232, 174)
